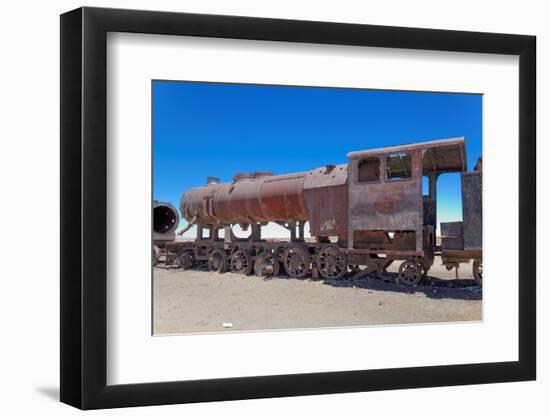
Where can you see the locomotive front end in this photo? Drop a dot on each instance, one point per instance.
(165, 221)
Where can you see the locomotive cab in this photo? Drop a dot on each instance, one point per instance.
(388, 214)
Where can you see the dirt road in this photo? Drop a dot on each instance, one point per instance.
(196, 300)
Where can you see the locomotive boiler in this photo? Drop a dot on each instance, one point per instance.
(261, 197)
(362, 215)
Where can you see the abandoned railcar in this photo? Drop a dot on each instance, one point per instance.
(362, 215)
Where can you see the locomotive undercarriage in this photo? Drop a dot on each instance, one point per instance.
(321, 258)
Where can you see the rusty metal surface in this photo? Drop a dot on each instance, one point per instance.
(385, 204)
(386, 252)
(463, 254)
(372, 238)
(430, 211)
(452, 237)
(328, 211)
(394, 200)
(445, 155)
(327, 176)
(326, 196)
(472, 209)
(252, 198)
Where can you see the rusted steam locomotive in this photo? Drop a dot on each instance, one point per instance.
(362, 215)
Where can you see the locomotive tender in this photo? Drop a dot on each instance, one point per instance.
(367, 213)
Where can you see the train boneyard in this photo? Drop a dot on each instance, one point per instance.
(363, 216)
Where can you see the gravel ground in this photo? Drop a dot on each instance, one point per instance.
(196, 301)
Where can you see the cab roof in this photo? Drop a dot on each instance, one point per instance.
(443, 155)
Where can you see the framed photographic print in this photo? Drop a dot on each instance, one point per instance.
(258, 208)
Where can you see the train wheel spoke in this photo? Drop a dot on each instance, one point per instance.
(410, 273)
(185, 259)
(240, 262)
(217, 261)
(296, 260)
(266, 265)
(331, 263)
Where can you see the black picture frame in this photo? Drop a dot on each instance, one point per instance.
(84, 207)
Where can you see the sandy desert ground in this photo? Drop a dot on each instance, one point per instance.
(196, 301)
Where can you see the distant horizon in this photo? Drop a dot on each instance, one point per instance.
(218, 129)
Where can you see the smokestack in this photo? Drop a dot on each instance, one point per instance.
(212, 180)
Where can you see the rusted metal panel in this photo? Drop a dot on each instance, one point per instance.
(282, 198)
(404, 241)
(326, 196)
(472, 209)
(385, 204)
(327, 176)
(368, 239)
(328, 210)
(429, 211)
(463, 254)
(452, 236)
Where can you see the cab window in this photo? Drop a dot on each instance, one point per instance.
(398, 166)
(368, 169)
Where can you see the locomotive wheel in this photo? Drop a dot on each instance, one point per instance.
(478, 272)
(217, 261)
(240, 262)
(156, 255)
(296, 261)
(331, 263)
(185, 259)
(410, 273)
(266, 265)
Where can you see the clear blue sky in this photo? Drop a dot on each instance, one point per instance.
(208, 129)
